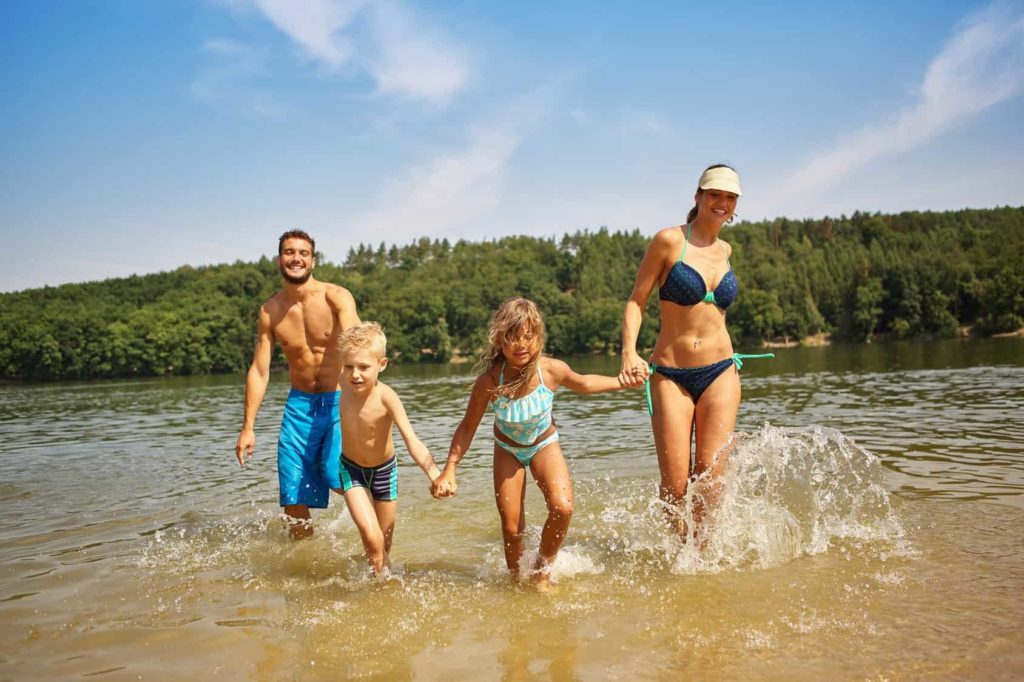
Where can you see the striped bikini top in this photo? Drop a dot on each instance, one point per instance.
(524, 419)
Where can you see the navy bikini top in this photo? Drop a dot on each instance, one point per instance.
(685, 286)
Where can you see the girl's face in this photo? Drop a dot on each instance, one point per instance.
(520, 346)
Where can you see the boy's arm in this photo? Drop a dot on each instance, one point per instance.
(416, 448)
(563, 375)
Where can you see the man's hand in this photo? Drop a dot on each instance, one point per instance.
(244, 445)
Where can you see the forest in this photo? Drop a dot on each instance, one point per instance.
(856, 278)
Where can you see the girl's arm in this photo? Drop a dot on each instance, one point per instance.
(463, 437)
(646, 278)
(562, 374)
(416, 448)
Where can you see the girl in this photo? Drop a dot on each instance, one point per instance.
(520, 384)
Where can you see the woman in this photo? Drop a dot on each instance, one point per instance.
(693, 380)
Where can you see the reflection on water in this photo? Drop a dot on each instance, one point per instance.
(869, 486)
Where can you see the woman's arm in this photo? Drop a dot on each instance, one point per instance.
(646, 279)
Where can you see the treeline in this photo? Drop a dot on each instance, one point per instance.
(909, 275)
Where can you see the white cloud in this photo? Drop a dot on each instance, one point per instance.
(979, 67)
(231, 77)
(463, 188)
(628, 123)
(315, 25)
(446, 193)
(400, 51)
(412, 59)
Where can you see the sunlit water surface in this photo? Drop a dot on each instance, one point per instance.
(871, 528)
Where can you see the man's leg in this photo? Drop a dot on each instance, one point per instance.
(298, 463)
(300, 524)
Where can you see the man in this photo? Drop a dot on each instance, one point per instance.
(305, 317)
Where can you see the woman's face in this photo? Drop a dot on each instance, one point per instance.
(715, 205)
(521, 346)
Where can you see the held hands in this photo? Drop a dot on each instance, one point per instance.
(634, 370)
(444, 485)
(244, 445)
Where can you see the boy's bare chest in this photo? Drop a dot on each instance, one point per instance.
(368, 421)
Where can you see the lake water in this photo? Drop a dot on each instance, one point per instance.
(872, 528)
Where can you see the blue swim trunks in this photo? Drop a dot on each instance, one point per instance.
(381, 480)
(308, 448)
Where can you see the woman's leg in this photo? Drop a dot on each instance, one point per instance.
(716, 422)
(509, 494)
(552, 475)
(672, 424)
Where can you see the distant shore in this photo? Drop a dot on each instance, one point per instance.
(825, 339)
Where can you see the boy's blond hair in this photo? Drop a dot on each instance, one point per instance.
(363, 336)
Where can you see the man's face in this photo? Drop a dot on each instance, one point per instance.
(296, 260)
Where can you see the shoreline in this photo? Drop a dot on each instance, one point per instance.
(457, 359)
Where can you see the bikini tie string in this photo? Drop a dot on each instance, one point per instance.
(737, 358)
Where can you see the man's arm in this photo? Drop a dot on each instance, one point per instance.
(256, 381)
(343, 305)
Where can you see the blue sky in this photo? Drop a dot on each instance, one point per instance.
(140, 136)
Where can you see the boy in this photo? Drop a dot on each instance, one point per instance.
(369, 468)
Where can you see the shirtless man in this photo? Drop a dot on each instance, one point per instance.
(305, 318)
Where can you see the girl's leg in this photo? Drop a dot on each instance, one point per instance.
(672, 424)
(509, 494)
(386, 511)
(552, 475)
(716, 421)
(360, 507)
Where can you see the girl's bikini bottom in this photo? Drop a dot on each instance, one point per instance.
(525, 453)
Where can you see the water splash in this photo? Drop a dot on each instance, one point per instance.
(790, 492)
(785, 493)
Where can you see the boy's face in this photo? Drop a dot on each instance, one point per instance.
(360, 369)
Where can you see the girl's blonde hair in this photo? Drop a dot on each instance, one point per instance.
(513, 319)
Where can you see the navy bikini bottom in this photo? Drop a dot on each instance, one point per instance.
(695, 380)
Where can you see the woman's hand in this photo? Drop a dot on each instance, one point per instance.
(634, 370)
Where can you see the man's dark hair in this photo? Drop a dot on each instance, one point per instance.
(295, 234)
